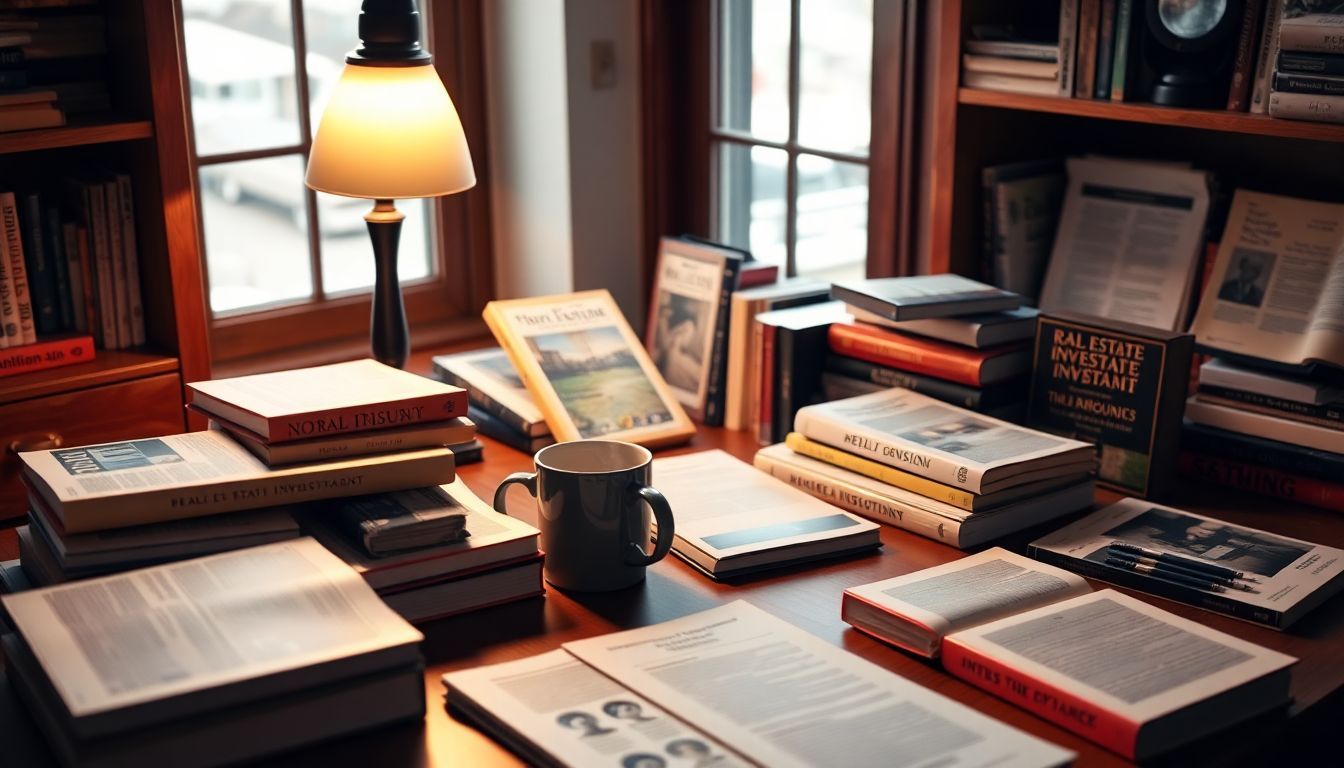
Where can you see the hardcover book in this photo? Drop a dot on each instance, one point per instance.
(983, 399)
(430, 434)
(488, 425)
(1258, 450)
(687, 332)
(922, 296)
(979, 331)
(52, 353)
(1263, 480)
(305, 403)
(793, 348)
(493, 386)
(744, 374)
(1270, 579)
(953, 362)
(587, 369)
(1118, 386)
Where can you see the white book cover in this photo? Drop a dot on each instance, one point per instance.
(1322, 438)
(18, 269)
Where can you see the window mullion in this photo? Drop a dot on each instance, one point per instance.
(791, 183)
(306, 142)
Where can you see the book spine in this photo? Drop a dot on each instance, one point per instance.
(1265, 453)
(18, 268)
(418, 410)
(1105, 50)
(865, 503)
(10, 333)
(1068, 43)
(41, 277)
(54, 232)
(340, 448)
(13, 79)
(96, 212)
(1271, 427)
(738, 330)
(1262, 480)
(11, 56)
(1306, 106)
(765, 417)
(1088, 23)
(1311, 63)
(70, 243)
(484, 402)
(1067, 710)
(989, 242)
(1268, 52)
(802, 444)
(117, 248)
(948, 392)
(1180, 593)
(48, 354)
(89, 303)
(786, 402)
(1313, 34)
(160, 505)
(1014, 50)
(1243, 63)
(492, 428)
(1329, 414)
(135, 305)
(891, 352)
(1124, 22)
(1324, 85)
(716, 391)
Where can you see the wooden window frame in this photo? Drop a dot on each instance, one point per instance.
(442, 307)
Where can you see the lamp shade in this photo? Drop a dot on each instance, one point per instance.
(390, 132)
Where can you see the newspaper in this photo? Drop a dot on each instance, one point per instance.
(170, 630)
(582, 717)
(1277, 289)
(781, 697)
(942, 442)
(1129, 241)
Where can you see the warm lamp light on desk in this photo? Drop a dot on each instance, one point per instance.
(389, 132)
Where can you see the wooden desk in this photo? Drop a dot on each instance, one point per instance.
(808, 597)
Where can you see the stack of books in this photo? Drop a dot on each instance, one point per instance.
(1308, 83)
(499, 405)
(920, 464)
(945, 336)
(212, 661)
(50, 66)
(1267, 433)
(1011, 65)
(430, 553)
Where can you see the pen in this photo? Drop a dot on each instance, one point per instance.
(1161, 566)
(1164, 575)
(1188, 562)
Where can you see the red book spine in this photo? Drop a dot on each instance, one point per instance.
(46, 354)
(1262, 480)
(756, 273)
(766, 417)
(877, 345)
(1060, 707)
(282, 429)
(1243, 64)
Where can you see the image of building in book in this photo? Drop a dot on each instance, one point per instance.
(1246, 277)
(599, 381)
(1219, 543)
(680, 343)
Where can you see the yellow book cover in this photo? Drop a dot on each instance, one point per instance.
(587, 370)
(889, 475)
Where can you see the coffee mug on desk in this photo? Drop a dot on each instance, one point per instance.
(590, 504)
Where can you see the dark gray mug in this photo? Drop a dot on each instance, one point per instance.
(590, 504)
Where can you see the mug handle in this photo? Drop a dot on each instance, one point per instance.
(526, 479)
(662, 512)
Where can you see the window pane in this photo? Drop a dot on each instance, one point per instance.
(240, 58)
(752, 192)
(347, 252)
(835, 70)
(832, 218)
(754, 67)
(331, 31)
(256, 241)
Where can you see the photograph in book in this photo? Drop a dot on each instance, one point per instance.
(598, 381)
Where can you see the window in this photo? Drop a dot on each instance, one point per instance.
(260, 72)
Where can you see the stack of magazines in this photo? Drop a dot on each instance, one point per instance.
(500, 406)
(920, 464)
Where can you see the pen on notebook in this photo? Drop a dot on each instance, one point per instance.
(1166, 575)
(1188, 562)
(1161, 566)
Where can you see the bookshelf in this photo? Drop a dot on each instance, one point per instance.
(975, 128)
(123, 393)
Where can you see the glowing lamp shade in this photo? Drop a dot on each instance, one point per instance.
(390, 132)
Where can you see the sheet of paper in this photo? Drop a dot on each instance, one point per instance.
(781, 697)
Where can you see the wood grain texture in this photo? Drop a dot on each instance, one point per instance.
(108, 367)
(75, 134)
(810, 598)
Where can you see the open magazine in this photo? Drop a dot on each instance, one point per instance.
(755, 684)
(1277, 289)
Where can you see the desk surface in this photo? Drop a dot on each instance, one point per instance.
(808, 597)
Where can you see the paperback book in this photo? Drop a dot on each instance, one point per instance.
(493, 386)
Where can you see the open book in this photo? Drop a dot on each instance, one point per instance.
(1277, 289)
(1130, 677)
(724, 687)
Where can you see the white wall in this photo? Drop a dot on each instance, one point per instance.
(565, 156)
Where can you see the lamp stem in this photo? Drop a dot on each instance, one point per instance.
(388, 333)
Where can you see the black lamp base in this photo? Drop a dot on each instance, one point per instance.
(389, 335)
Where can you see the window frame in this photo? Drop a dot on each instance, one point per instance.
(441, 307)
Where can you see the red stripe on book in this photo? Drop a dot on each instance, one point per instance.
(46, 354)
(907, 353)
(1262, 480)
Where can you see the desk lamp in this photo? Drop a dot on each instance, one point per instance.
(389, 132)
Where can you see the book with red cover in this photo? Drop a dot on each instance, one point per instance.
(972, 367)
(53, 353)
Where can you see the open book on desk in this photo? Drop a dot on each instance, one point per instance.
(1133, 678)
(726, 686)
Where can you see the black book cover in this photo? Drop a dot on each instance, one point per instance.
(972, 398)
(1325, 85)
(800, 349)
(1252, 449)
(55, 247)
(497, 430)
(1311, 63)
(481, 402)
(41, 270)
(1119, 386)
(1333, 412)
(717, 387)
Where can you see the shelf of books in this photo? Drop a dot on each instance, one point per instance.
(1199, 119)
(76, 134)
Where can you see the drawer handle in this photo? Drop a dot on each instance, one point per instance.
(37, 443)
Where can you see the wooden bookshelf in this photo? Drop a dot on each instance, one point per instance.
(77, 134)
